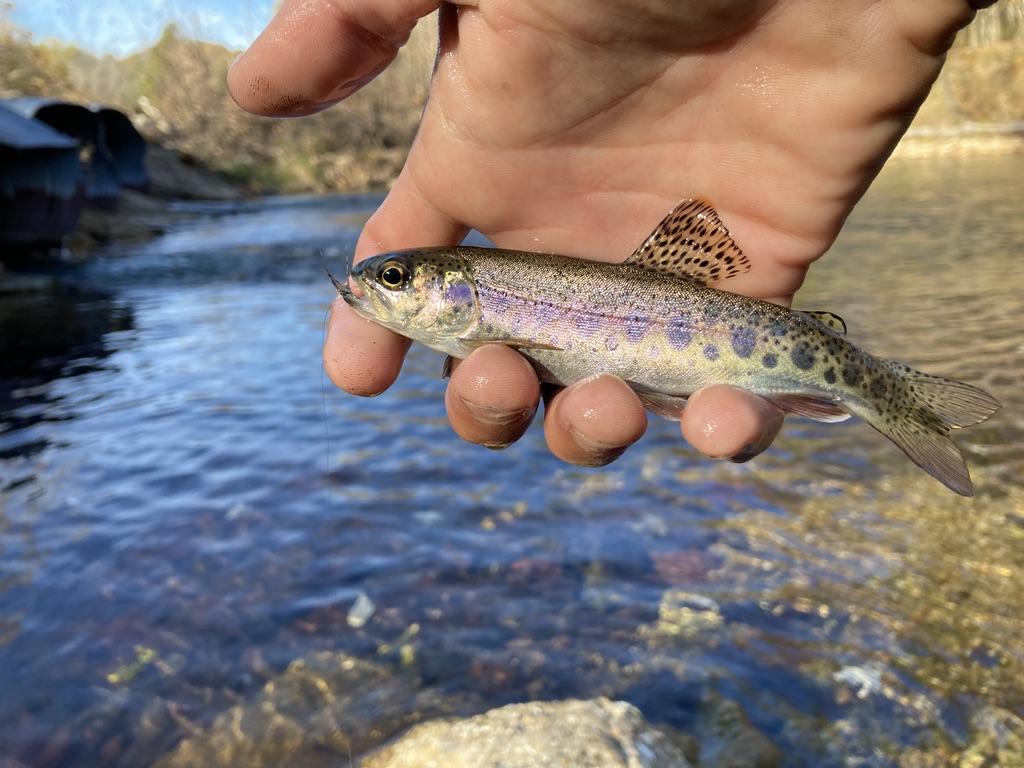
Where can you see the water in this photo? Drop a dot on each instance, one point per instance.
(177, 526)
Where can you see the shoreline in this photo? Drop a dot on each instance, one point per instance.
(141, 217)
(962, 140)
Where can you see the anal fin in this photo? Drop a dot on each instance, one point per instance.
(669, 407)
(816, 408)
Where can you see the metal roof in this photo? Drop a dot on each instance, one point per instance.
(27, 106)
(20, 132)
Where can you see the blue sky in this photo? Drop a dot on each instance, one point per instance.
(125, 26)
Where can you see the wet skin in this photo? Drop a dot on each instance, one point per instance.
(573, 127)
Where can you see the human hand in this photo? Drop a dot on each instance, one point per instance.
(573, 126)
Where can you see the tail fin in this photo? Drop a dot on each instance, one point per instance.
(920, 425)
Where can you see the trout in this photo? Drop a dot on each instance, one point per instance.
(654, 322)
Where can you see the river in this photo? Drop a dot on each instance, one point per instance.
(188, 509)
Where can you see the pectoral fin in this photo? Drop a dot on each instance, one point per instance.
(446, 369)
(691, 243)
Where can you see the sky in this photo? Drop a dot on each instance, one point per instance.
(121, 27)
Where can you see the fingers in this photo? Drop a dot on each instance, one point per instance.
(725, 422)
(361, 357)
(492, 396)
(316, 52)
(594, 421)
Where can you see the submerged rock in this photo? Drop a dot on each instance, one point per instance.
(997, 739)
(361, 611)
(331, 710)
(685, 616)
(574, 734)
(320, 711)
(729, 740)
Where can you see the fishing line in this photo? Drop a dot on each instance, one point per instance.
(323, 393)
(323, 403)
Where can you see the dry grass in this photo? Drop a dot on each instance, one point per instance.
(175, 92)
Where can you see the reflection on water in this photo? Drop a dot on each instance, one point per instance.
(177, 529)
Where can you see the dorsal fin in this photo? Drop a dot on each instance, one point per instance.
(692, 243)
(828, 319)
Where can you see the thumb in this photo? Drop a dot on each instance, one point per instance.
(361, 357)
(315, 53)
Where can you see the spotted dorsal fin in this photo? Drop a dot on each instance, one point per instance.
(692, 243)
(828, 319)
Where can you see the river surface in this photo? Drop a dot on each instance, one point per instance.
(188, 510)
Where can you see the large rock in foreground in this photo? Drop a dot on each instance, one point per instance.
(570, 734)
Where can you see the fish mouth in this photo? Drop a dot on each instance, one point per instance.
(351, 288)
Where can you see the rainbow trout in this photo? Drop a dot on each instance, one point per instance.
(654, 322)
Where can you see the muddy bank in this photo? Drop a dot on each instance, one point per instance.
(138, 216)
(135, 217)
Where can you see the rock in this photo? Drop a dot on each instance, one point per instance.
(361, 611)
(685, 616)
(728, 740)
(319, 711)
(575, 734)
(997, 739)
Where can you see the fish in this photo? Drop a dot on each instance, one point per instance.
(655, 321)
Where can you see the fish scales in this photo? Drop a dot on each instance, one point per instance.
(655, 323)
(659, 332)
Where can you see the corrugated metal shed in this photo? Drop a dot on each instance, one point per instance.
(18, 132)
(40, 181)
(126, 146)
(113, 150)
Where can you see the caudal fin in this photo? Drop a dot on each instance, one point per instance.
(920, 422)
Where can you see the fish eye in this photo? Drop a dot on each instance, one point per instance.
(393, 275)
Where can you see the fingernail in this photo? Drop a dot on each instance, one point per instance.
(493, 415)
(496, 446)
(597, 453)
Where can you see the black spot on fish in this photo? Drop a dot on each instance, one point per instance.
(743, 340)
(830, 375)
(711, 352)
(778, 328)
(877, 388)
(802, 356)
(851, 374)
(769, 361)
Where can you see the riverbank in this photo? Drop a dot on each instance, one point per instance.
(140, 216)
(136, 217)
(965, 140)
